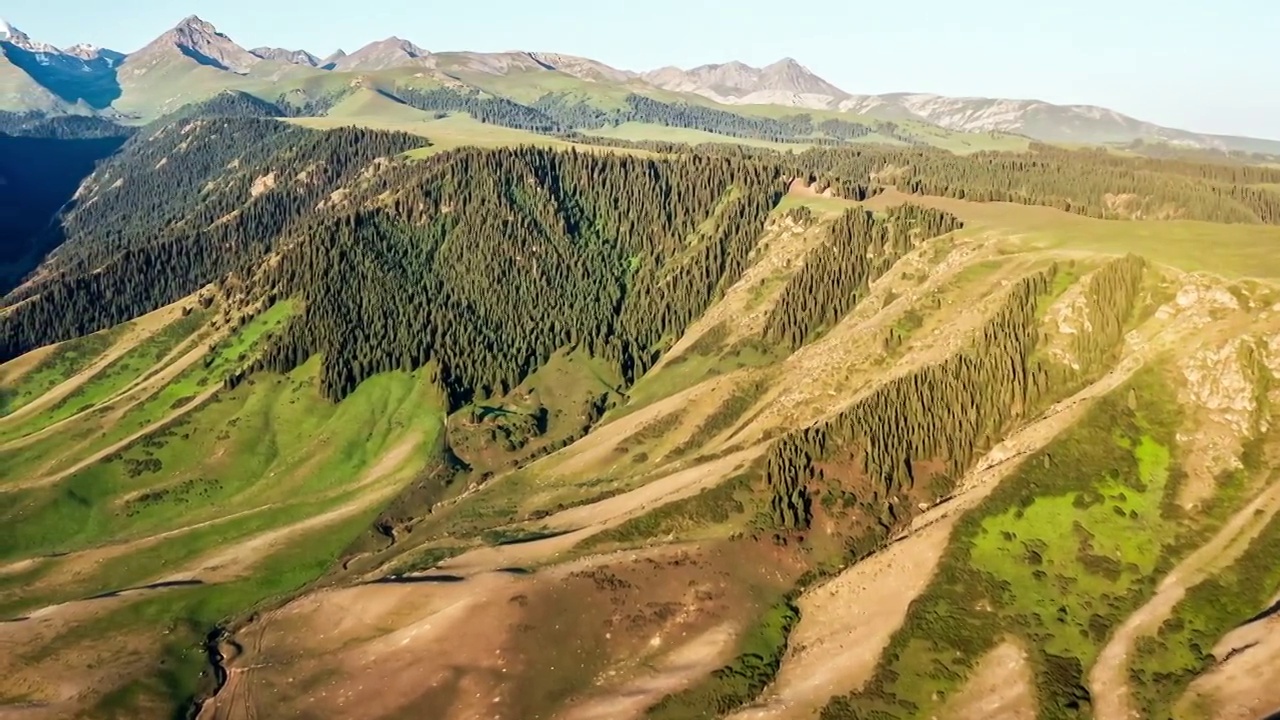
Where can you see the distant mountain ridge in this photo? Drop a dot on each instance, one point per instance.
(296, 57)
(789, 83)
(785, 82)
(382, 55)
(194, 61)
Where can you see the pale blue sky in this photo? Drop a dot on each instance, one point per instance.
(1206, 65)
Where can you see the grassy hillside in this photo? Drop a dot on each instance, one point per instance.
(690, 434)
(1234, 251)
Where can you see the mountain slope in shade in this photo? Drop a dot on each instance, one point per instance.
(332, 60)
(19, 92)
(383, 55)
(81, 75)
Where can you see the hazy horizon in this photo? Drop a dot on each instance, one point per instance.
(1206, 70)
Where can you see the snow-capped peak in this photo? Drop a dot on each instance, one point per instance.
(9, 32)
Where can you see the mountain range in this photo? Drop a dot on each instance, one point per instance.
(401, 383)
(194, 61)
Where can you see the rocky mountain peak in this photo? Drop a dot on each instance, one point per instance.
(196, 24)
(91, 53)
(14, 36)
(383, 54)
(785, 82)
(405, 45)
(788, 75)
(199, 40)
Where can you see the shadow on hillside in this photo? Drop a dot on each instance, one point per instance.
(208, 61)
(38, 179)
(416, 579)
(531, 537)
(1269, 612)
(152, 586)
(97, 87)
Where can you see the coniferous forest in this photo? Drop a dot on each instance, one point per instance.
(624, 252)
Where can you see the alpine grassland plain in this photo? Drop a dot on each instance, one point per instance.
(1230, 250)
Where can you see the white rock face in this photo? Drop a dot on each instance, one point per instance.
(1215, 381)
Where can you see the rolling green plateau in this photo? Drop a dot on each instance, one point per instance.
(512, 385)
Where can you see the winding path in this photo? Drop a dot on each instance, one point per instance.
(1109, 677)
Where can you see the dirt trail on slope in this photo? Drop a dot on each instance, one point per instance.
(673, 672)
(15, 369)
(596, 450)
(390, 638)
(114, 447)
(238, 559)
(143, 328)
(1001, 687)
(1245, 685)
(81, 667)
(75, 565)
(132, 395)
(1109, 677)
(579, 523)
(235, 560)
(846, 623)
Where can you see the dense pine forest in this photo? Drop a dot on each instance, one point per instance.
(488, 262)
(160, 219)
(180, 206)
(560, 114)
(1095, 183)
(60, 127)
(861, 248)
(910, 439)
